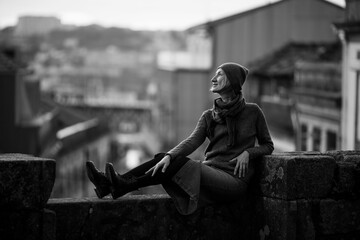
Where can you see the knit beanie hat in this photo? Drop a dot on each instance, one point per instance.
(236, 74)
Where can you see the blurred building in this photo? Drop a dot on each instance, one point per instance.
(252, 37)
(273, 75)
(122, 112)
(349, 34)
(79, 73)
(183, 85)
(24, 125)
(183, 96)
(36, 25)
(38, 126)
(317, 96)
(296, 74)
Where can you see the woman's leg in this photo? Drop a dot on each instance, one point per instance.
(197, 185)
(103, 184)
(137, 178)
(220, 186)
(142, 168)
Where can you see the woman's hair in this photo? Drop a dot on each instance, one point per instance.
(236, 74)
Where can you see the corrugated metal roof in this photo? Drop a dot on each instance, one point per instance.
(232, 17)
(283, 61)
(244, 13)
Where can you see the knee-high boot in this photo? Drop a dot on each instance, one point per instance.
(98, 178)
(102, 183)
(138, 178)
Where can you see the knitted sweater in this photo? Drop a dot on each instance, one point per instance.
(251, 126)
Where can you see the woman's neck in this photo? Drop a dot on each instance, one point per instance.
(227, 96)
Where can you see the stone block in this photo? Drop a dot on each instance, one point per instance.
(306, 220)
(282, 219)
(48, 225)
(347, 180)
(347, 236)
(339, 216)
(27, 224)
(341, 155)
(72, 215)
(275, 219)
(149, 217)
(347, 174)
(297, 175)
(25, 181)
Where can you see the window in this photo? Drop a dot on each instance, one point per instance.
(303, 137)
(331, 140)
(316, 139)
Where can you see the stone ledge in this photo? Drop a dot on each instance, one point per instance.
(303, 195)
(297, 175)
(29, 224)
(155, 217)
(308, 219)
(25, 181)
(339, 216)
(148, 217)
(347, 173)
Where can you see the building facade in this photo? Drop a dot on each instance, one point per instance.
(251, 36)
(349, 34)
(32, 124)
(317, 95)
(183, 96)
(36, 25)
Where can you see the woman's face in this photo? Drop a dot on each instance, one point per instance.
(219, 81)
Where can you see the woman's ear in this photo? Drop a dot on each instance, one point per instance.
(228, 83)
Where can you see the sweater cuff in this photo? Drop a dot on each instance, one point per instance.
(252, 153)
(168, 154)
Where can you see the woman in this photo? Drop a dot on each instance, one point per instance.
(232, 127)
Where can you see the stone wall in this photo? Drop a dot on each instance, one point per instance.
(147, 217)
(298, 195)
(309, 195)
(25, 187)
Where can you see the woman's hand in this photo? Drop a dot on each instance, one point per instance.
(164, 163)
(242, 164)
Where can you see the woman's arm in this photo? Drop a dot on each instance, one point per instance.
(184, 148)
(266, 145)
(191, 143)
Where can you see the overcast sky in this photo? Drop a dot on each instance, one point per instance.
(137, 14)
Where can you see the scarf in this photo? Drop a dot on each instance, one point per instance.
(226, 113)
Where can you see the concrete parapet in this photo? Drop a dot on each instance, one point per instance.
(309, 195)
(298, 195)
(296, 175)
(25, 181)
(347, 174)
(148, 217)
(25, 186)
(339, 216)
(307, 219)
(301, 195)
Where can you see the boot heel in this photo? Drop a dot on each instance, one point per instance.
(100, 194)
(119, 186)
(102, 185)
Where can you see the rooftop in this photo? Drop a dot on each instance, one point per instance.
(283, 61)
(245, 13)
